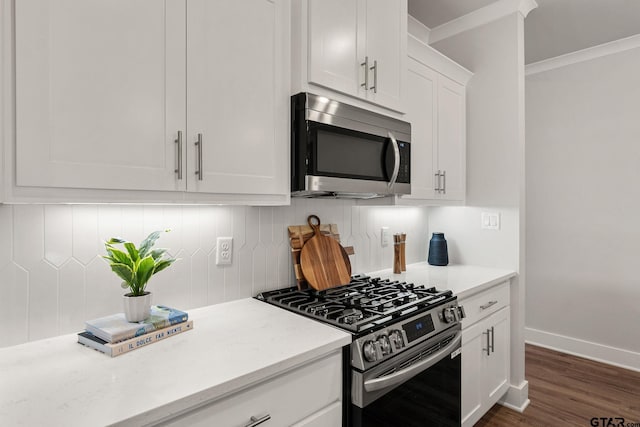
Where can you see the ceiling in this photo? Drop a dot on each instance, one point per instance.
(555, 28)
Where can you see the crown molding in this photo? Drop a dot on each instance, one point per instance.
(435, 60)
(583, 55)
(480, 17)
(418, 30)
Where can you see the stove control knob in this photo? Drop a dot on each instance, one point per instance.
(449, 314)
(395, 337)
(369, 351)
(384, 344)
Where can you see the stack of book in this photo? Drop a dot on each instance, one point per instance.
(114, 336)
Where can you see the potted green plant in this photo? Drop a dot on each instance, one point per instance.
(135, 266)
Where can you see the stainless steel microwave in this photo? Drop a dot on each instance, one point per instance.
(339, 150)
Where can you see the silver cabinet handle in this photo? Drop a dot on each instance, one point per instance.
(257, 421)
(178, 142)
(396, 161)
(365, 64)
(199, 159)
(488, 349)
(444, 182)
(493, 334)
(375, 76)
(489, 304)
(437, 178)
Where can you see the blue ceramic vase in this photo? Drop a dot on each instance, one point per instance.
(438, 250)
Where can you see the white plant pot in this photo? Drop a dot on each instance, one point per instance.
(137, 308)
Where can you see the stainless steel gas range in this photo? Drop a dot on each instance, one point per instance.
(404, 360)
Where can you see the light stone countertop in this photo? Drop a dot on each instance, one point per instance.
(232, 345)
(463, 280)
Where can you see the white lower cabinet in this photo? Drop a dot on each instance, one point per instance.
(309, 395)
(485, 352)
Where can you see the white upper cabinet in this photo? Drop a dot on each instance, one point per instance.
(451, 154)
(436, 109)
(116, 95)
(237, 97)
(100, 93)
(355, 47)
(421, 113)
(333, 45)
(386, 51)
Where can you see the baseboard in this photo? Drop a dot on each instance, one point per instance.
(516, 397)
(589, 350)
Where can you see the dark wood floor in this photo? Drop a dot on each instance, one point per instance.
(569, 391)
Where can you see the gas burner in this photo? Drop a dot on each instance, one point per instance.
(363, 304)
(350, 316)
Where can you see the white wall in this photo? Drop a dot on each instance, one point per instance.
(583, 199)
(52, 278)
(495, 168)
(468, 243)
(494, 164)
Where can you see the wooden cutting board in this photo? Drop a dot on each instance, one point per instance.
(299, 235)
(324, 262)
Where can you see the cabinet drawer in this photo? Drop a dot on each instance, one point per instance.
(286, 398)
(481, 305)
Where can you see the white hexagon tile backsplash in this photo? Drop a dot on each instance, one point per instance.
(52, 276)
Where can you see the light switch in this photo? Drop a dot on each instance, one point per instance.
(384, 236)
(490, 221)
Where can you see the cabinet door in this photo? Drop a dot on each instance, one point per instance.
(237, 96)
(100, 93)
(386, 44)
(333, 45)
(421, 114)
(452, 137)
(496, 365)
(485, 365)
(473, 351)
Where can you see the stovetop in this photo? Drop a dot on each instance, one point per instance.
(363, 305)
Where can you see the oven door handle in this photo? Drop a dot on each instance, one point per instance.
(405, 374)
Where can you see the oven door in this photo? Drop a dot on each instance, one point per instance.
(421, 388)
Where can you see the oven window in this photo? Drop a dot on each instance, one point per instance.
(349, 154)
(431, 398)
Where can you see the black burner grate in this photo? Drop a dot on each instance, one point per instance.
(362, 304)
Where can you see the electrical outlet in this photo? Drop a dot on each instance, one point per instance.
(384, 236)
(224, 250)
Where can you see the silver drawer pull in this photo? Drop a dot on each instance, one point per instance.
(257, 421)
(487, 305)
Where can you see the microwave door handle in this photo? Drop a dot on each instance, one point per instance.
(396, 163)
